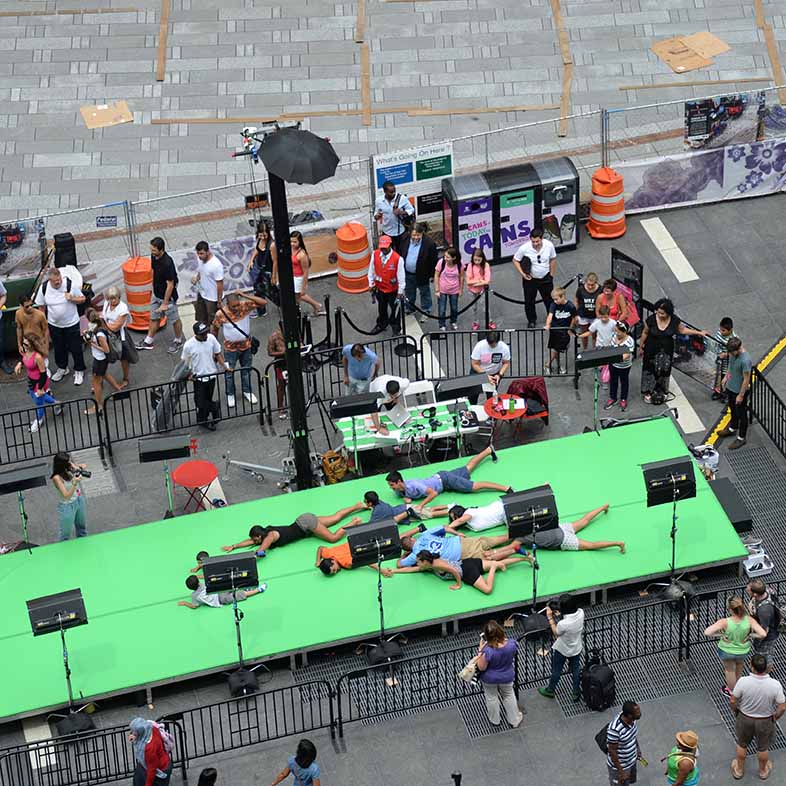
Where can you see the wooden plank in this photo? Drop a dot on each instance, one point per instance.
(71, 12)
(759, 10)
(171, 121)
(484, 110)
(695, 83)
(365, 84)
(564, 105)
(775, 61)
(360, 24)
(562, 33)
(163, 34)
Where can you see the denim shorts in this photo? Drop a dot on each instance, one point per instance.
(729, 656)
(456, 480)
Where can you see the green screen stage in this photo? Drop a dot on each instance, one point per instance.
(132, 578)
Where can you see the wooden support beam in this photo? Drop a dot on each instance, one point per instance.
(696, 83)
(163, 34)
(365, 83)
(772, 48)
(360, 24)
(288, 116)
(564, 104)
(567, 67)
(484, 110)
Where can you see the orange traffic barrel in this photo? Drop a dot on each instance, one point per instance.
(138, 280)
(607, 208)
(354, 256)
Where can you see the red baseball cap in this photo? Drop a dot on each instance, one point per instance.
(385, 241)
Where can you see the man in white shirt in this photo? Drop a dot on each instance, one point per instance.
(536, 263)
(386, 278)
(392, 401)
(58, 298)
(491, 357)
(210, 284)
(394, 212)
(202, 352)
(567, 646)
(758, 702)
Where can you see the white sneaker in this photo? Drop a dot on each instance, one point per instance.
(79, 377)
(231, 401)
(59, 374)
(250, 397)
(35, 425)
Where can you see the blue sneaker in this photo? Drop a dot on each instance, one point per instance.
(262, 587)
(523, 551)
(261, 553)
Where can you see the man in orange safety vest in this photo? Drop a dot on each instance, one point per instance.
(386, 278)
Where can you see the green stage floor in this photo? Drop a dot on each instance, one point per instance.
(132, 578)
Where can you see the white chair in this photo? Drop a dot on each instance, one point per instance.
(420, 393)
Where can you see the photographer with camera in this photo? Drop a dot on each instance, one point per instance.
(567, 626)
(71, 508)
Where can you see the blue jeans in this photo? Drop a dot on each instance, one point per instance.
(443, 304)
(412, 289)
(558, 663)
(39, 401)
(246, 359)
(72, 513)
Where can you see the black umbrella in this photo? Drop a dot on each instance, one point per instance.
(298, 156)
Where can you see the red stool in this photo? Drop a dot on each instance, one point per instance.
(196, 476)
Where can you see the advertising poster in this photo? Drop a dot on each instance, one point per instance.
(475, 228)
(727, 120)
(516, 219)
(418, 173)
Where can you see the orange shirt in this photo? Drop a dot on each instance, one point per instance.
(340, 554)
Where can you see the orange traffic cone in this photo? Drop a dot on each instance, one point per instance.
(607, 208)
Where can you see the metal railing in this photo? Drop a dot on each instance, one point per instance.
(156, 409)
(64, 427)
(768, 409)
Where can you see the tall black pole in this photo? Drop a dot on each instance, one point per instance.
(290, 318)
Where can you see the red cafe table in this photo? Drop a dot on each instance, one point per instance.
(195, 476)
(502, 413)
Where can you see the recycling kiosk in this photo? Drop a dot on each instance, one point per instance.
(497, 210)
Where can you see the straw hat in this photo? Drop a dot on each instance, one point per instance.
(687, 739)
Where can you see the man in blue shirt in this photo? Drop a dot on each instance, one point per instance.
(445, 480)
(420, 260)
(400, 513)
(361, 365)
(738, 383)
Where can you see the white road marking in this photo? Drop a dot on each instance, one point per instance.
(37, 730)
(669, 250)
(431, 367)
(688, 419)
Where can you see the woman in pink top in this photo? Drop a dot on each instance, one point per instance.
(34, 362)
(301, 262)
(478, 276)
(448, 285)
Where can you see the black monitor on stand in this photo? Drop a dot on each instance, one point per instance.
(352, 407)
(15, 481)
(595, 359)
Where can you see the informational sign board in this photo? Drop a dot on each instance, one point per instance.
(106, 222)
(418, 173)
(475, 227)
(516, 219)
(732, 119)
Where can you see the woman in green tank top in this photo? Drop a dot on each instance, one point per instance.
(681, 766)
(735, 632)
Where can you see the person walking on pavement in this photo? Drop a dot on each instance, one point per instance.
(301, 265)
(210, 284)
(536, 263)
(419, 253)
(394, 212)
(758, 702)
(263, 266)
(682, 768)
(31, 322)
(34, 362)
(164, 300)
(567, 645)
(624, 751)
(202, 353)
(738, 385)
(386, 278)
(60, 299)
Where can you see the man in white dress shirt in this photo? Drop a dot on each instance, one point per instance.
(395, 213)
(536, 263)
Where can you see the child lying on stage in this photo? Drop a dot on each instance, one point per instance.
(200, 596)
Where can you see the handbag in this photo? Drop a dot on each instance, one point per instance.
(470, 672)
(605, 374)
(254, 340)
(115, 344)
(131, 352)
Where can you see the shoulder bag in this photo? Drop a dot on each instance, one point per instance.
(254, 340)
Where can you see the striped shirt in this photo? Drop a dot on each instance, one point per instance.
(625, 736)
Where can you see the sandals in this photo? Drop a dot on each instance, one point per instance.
(735, 773)
(767, 770)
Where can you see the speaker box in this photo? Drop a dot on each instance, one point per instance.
(75, 723)
(243, 683)
(531, 510)
(732, 503)
(660, 478)
(65, 250)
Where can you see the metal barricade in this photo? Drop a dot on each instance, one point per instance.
(156, 409)
(64, 427)
(768, 410)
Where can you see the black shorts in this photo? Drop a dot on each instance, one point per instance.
(559, 340)
(100, 367)
(471, 570)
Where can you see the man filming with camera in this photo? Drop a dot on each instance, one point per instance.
(71, 507)
(567, 625)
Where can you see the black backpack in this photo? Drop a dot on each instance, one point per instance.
(87, 291)
(598, 686)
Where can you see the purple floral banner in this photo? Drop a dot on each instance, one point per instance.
(732, 172)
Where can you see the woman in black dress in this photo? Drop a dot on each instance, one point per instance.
(657, 347)
(263, 266)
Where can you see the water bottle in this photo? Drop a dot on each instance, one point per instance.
(495, 399)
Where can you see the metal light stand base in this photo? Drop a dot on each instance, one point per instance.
(76, 720)
(23, 516)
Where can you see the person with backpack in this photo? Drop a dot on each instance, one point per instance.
(97, 338)
(302, 766)
(681, 766)
(765, 608)
(622, 741)
(152, 748)
(568, 644)
(60, 299)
